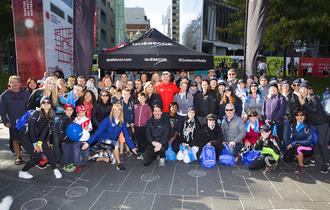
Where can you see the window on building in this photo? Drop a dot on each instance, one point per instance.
(70, 20)
(57, 10)
(103, 17)
(103, 35)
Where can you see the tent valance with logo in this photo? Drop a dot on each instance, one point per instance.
(155, 51)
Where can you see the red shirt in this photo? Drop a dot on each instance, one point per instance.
(252, 136)
(167, 92)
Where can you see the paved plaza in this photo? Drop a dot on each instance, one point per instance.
(176, 186)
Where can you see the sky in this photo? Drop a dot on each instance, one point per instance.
(154, 9)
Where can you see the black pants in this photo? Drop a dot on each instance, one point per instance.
(150, 155)
(36, 157)
(260, 163)
(56, 139)
(140, 136)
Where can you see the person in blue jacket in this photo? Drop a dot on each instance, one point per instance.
(301, 140)
(109, 131)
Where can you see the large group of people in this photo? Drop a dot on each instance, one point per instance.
(138, 117)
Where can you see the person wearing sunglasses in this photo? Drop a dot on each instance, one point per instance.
(252, 128)
(233, 130)
(34, 138)
(301, 141)
(316, 115)
(254, 100)
(232, 81)
(230, 98)
(101, 109)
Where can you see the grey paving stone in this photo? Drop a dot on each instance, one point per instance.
(167, 202)
(138, 201)
(184, 184)
(110, 200)
(197, 203)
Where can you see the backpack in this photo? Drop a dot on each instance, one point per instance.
(207, 157)
(22, 121)
(226, 158)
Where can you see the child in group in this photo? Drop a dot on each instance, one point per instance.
(142, 113)
(116, 96)
(80, 156)
(270, 151)
(67, 146)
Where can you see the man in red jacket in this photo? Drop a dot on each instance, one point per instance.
(166, 89)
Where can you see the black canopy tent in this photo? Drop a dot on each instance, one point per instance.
(155, 51)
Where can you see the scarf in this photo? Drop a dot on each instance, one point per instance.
(256, 126)
(300, 126)
(188, 130)
(88, 107)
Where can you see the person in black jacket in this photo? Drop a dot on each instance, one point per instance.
(33, 138)
(316, 115)
(157, 133)
(210, 134)
(101, 109)
(153, 98)
(204, 102)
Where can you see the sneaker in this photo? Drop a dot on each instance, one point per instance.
(24, 175)
(121, 167)
(41, 166)
(299, 170)
(77, 169)
(325, 168)
(267, 170)
(57, 173)
(69, 168)
(140, 157)
(162, 162)
(312, 163)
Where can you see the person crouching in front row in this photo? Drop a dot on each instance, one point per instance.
(109, 131)
(270, 151)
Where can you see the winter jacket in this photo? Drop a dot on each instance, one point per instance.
(268, 147)
(108, 129)
(303, 135)
(154, 99)
(189, 132)
(314, 111)
(206, 135)
(128, 109)
(184, 102)
(158, 130)
(251, 103)
(142, 113)
(233, 130)
(167, 92)
(37, 127)
(274, 108)
(12, 105)
(252, 135)
(204, 104)
(99, 112)
(61, 126)
(237, 105)
(34, 99)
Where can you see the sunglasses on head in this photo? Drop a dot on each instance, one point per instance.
(229, 110)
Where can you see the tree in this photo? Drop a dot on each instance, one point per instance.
(288, 21)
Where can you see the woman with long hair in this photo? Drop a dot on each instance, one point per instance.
(61, 87)
(101, 109)
(230, 98)
(153, 98)
(108, 133)
(184, 99)
(87, 100)
(31, 85)
(301, 141)
(33, 137)
(254, 99)
(48, 90)
(155, 78)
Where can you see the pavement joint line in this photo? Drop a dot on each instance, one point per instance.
(19, 194)
(79, 178)
(241, 203)
(64, 203)
(172, 182)
(98, 197)
(212, 205)
(5, 187)
(145, 187)
(182, 202)
(129, 173)
(278, 193)
(302, 191)
(105, 174)
(223, 188)
(124, 201)
(197, 182)
(49, 192)
(248, 187)
(153, 202)
(271, 203)
(316, 181)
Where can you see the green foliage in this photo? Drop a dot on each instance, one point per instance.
(6, 24)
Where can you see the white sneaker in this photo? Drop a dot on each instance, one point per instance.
(57, 173)
(24, 175)
(162, 162)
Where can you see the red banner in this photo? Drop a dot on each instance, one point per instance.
(29, 38)
(314, 67)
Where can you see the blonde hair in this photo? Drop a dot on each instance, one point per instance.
(51, 93)
(153, 77)
(146, 86)
(121, 116)
(11, 78)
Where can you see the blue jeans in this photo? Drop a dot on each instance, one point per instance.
(79, 156)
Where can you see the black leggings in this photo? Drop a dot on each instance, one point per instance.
(36, 157)
(261, 162)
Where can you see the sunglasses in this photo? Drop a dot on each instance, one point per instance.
(253, 115)
(294, 85)
(193, 85)
(45, 102)
(104, 95)
(229, 110)
(300, 115)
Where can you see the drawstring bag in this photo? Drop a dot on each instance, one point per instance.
(189, 155)
(249, 156)
(180, 154)
(227, 158)
(170, 154)
(207, 157)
